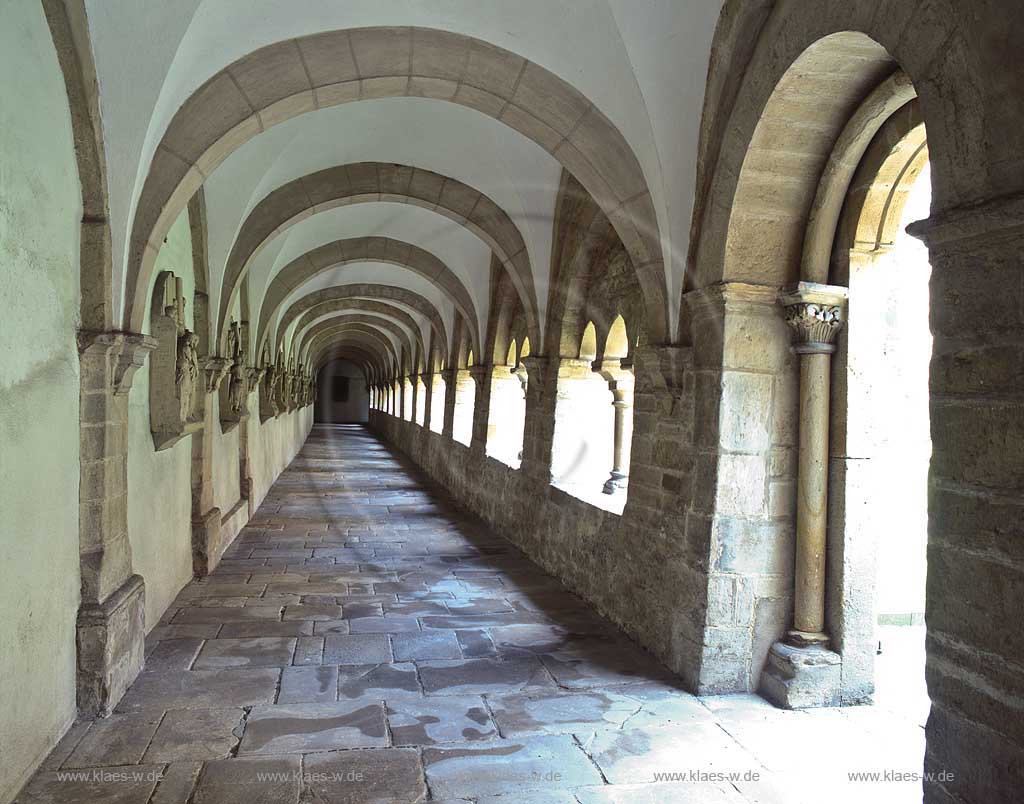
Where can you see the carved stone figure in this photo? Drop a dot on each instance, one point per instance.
(186, 375)
(238, 387)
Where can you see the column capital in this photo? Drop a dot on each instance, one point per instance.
(815, 313)
(615, 372)
(216, 369)
(123, 352)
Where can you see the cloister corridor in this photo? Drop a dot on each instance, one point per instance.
(365, 641)
(534, 402)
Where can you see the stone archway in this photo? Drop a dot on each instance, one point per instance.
(367, 182)
(733, 288)
(387, 293)
(364, 249)
(286, 79)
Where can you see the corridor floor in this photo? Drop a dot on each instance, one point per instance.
(364, 641)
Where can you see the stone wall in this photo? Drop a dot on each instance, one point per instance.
(646, 569)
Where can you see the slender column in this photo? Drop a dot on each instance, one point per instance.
(482, 381)
(111, 616)
(427, 378)
(620, 382)
(537, 422)
(448, 421)
(413, 397)
(815, 314)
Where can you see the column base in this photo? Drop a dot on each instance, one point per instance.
(801, 677)
(206, 542)
(616, 483)
(111, 647)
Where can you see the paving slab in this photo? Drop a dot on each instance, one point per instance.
(440, 719)
(250, 780)
(302, 728)
(201, 689)
(246, 652)
(196, 734)
(426, 645)
(356, 649)
(387, 681)
(478, 676)
(308, 685)
(508, 766)
(358, 777)
(116, 740)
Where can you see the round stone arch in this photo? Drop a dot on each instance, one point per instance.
(293, 77)
(354, 292)
(354, 321)
(788, 133)
(586, 245)
(864, 234)
(70, 36)
(364, 249)
(754, 199)
(372, 343)
(335, 351)
(375, 308)
(370, 182)
(504, 308)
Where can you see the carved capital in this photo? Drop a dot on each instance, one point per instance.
(815, 313)
(118, 355)
(216, 370)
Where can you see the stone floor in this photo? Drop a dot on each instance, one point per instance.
(363, 641)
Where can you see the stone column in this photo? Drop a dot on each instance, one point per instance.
(111, 617)
(538, 423)
(801, 671)
(205, 516)
(482, 380)
(414, 396)
(448, 420)
(620, 382)
(427, 379)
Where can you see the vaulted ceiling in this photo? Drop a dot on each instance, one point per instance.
(365, 163)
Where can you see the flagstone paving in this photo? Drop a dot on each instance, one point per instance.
(363, 641)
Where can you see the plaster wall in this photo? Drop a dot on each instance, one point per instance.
(226, 485)
(160, 483)
(273, 444)
(40, 210)
(356, 409)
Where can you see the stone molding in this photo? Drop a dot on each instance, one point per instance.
(996, 218)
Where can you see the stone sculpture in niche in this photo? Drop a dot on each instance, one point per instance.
(174, 369)
(267, 388)
(234, 395)
(186, 375)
